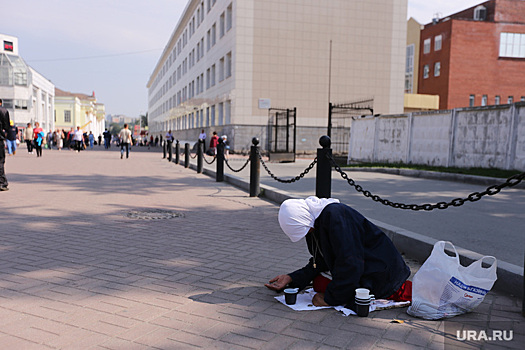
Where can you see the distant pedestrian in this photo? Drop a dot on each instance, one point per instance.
(28, 137)
(59, 139)
(202, 136)
(91, 138)
(99, 139)
(38, 139)
(107, 139)
(125, 141)
(78, 138)
(4, 126)
(11, 138)
(156, 140)
(169, 139)
(214, 141)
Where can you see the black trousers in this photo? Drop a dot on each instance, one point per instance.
(29, 144)
(3, 179)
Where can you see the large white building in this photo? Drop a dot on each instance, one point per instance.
(27, 95)
(228, 61)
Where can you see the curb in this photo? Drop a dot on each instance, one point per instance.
(414, 245)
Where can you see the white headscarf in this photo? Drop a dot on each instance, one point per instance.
(297, 216)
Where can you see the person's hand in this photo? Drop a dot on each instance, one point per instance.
(279, 282)
(318, 300)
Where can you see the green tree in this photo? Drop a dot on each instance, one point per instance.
(115, 128)
(144, 119)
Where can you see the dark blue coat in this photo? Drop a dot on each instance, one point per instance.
(356, 252)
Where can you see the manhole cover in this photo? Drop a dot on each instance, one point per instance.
(153, 214)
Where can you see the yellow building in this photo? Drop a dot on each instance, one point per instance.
(74, 109)
(414, 101)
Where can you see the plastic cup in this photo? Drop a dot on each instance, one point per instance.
(362, 293)
(290, 295)
(362, 308)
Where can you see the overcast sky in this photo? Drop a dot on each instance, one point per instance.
(111, 46)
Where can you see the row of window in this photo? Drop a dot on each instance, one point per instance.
(214, 115)
(196, 86)
(437, 70)
(16, 104)
(195, 55)
(485, 100)
(438, 39)
(510, 45)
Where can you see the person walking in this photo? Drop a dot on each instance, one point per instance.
(78, 138)
(38, 139)
(4, 126)
(214, 141)
(91, 138)
(125, 141)
(12, 134)
(59, 139)
(28, 137)
(99, 139)
(107, 139)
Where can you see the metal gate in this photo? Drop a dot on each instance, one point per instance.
(340, 118)
(282, 134)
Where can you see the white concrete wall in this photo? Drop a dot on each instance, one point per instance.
(488, 137)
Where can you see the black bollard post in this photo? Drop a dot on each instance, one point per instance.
(170, 151)
(255, 169)
(164, 149)
(323, 181)
(177, 152)
(200, 162)
(219, 176)
(186, 155)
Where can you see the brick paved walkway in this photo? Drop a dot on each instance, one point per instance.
(77, 273)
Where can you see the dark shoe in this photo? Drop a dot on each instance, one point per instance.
(4, 188)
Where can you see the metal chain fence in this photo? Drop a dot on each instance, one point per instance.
(473, 197)
(213, 160)
(297, 178)
(239, 170)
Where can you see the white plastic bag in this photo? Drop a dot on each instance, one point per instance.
(443, 288)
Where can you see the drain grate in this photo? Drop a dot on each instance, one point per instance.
(153, 214)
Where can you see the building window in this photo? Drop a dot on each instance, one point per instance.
(212, 115)
(221, 69)
(208, 40)
(221, 113)
(228, 65)
(229, 11)
(227, 112)
(212, 75)
(20, 104)
(426, 71)
(497, 100)
(207, 78)
(471, 100)
(480, 13)
(213, 32)
(67, 116)
(409, 69)
(437, 42)
(484, 100)
(510, 99)
(512, 45)
(221, 25)
(437, 69)
(426, 46)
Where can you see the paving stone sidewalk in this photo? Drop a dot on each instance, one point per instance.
(102, 253)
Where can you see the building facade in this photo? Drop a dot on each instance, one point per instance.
(475, 57)
(74, 109)
(27, 95)
(228, 62)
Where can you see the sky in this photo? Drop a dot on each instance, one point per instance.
(111, 47)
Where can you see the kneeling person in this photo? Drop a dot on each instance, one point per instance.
(345, 246)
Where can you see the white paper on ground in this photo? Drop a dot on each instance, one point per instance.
(304, 303)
